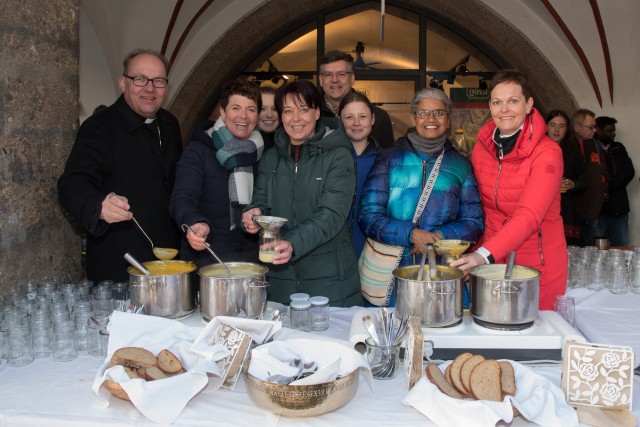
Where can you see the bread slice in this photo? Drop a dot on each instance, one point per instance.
(135, 357)
(455, 372)
(434, 374)
(467, 368)
(447, 374)
(485, 382)
(508, 379)
(153, 373)
(169, 362)
(115, 387)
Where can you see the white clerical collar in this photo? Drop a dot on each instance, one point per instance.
(149, 121)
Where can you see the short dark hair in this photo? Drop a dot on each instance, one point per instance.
(354, 96)
(301, 91)
(580, 115)
(137, 52)
(335, 56)
(243, 88)
(511, 76)
(603, 121)
(568, 137)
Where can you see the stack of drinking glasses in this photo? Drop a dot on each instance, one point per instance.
(596, 269)
(44, 320)
(634, 272)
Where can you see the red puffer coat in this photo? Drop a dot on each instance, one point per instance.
(521, 200)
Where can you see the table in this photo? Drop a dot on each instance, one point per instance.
(47, 393)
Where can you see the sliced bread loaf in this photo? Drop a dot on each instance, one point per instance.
(485, 381)
(434, 374)
(153, 373)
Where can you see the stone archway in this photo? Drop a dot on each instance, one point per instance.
(276, 18)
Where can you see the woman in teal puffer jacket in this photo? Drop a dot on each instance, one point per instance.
(308, 178)
(395, 182)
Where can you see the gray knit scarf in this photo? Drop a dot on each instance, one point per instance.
(426, 146)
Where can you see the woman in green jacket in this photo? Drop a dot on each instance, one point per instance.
(308, 178)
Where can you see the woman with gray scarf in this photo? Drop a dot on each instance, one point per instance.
(396, 180)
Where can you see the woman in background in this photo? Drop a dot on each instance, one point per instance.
(559, 129)
(268, 119)
(214, 180)
(356, 113)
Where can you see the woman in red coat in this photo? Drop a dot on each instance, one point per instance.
(519, 170)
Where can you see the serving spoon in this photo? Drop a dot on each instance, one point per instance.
(160, 253)
(185, 227)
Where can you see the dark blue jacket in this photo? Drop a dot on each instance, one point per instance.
(393, 188)
(201, 194)
(362, 164)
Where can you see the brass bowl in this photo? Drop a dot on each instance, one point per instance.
(302, 400)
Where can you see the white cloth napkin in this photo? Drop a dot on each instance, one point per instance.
(537, 399)
(260, 331)
(358, 333)
(161, 401)
(332, 358)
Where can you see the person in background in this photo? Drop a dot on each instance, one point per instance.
(336, 79)
(214, 180)
(398, 176)
(519, 171)
(308, 178)
(559, 129)
(122, 164)
(356, 114)
(589, 204)
(614, 217)
(268, 120)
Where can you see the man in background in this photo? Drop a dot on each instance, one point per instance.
(589, 204)
(336, 80)
(614, 217)
(123, 163)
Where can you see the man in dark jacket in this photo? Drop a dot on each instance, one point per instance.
(336, 79)
(123, 163)
(589, 204)
(614, 218)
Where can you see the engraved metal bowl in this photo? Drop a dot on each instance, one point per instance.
(302, 400)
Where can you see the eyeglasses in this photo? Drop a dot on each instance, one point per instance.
(142, 81)
(438, 114)
(593, 127)
(340, 75)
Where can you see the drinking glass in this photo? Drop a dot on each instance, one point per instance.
(565, 306)
(384, 360)
(618, 279)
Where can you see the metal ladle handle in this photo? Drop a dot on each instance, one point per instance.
(137, 264)
(141, 229)
(208, 247)
(508, 272)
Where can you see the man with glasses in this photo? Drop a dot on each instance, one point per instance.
(589, 204)
(122, 164)
(336, 80)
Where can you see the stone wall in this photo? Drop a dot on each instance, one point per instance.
(38, 121)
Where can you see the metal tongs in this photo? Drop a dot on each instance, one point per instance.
(208, 246)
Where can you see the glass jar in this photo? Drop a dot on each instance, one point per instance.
(299, 297)
(299, 312)
(41, 334)
(19, 345)
(97, 341)
(65, 347)
(319, 313)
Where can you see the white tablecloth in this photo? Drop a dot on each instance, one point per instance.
(47, 393)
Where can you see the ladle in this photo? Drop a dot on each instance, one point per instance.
(431, 254)
(509, 270)
(160, 253)
(421, 269)
(137, 264)
(208, 246)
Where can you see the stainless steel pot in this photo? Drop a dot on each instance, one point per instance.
(436, 302)
(169, 295)
(496, 301)
(244, 291)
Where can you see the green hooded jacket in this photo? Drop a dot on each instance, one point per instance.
(315, 195)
